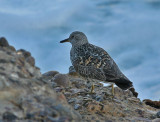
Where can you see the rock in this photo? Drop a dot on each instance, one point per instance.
(134, 92)
(99, 98)
(124, 106)
(156, 120)
(3, 42)
(72, 71)
(8, 116)
(30, 60)
(61, 79)
(12, 48)
(24, 53)
(27, 95)
(47, 77)
(155, 104)
(76, 106)
(50, 73)
(24, 96)
(158, 114)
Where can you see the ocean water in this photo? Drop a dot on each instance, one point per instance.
(129, 30)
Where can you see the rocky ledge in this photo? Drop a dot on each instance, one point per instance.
(27, 95)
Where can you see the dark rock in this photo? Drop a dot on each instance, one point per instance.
(3, 42)
(134, 92)
(3, 61)
(158, 114)
(54, 114)
(30, 116)
(140, 112)
(155, 104)
(8, 116)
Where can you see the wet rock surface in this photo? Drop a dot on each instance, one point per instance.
(27, 95)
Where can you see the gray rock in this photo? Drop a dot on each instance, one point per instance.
(30, 60)
(61, 79)
(24, 96)
(50, 73)
(47, 77)
(99, 98)
(24, 53)
(77, 106)
(72, 100)
(158, 114)
(156, 120)
(12, 48)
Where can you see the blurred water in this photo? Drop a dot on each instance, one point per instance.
(128, 29)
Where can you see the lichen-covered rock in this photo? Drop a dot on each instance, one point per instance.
(102, 106)
(24, 94)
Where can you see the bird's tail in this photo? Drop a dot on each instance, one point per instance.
(123, 83)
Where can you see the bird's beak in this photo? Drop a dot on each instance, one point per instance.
(65, 40)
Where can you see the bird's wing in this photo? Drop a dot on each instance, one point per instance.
(95, 62)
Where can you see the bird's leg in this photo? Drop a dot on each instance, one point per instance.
(113, 90)
(112, 85)
(92, 86)
(92, 89)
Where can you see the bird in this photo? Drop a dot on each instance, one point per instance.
(94, 62)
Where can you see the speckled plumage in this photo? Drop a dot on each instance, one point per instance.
(91, 61)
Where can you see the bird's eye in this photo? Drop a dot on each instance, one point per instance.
(72, 36)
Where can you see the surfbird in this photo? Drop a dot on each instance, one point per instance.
(93, 62)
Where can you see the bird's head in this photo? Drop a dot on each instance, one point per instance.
(76, 38)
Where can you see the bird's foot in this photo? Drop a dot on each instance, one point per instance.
(92, 89)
